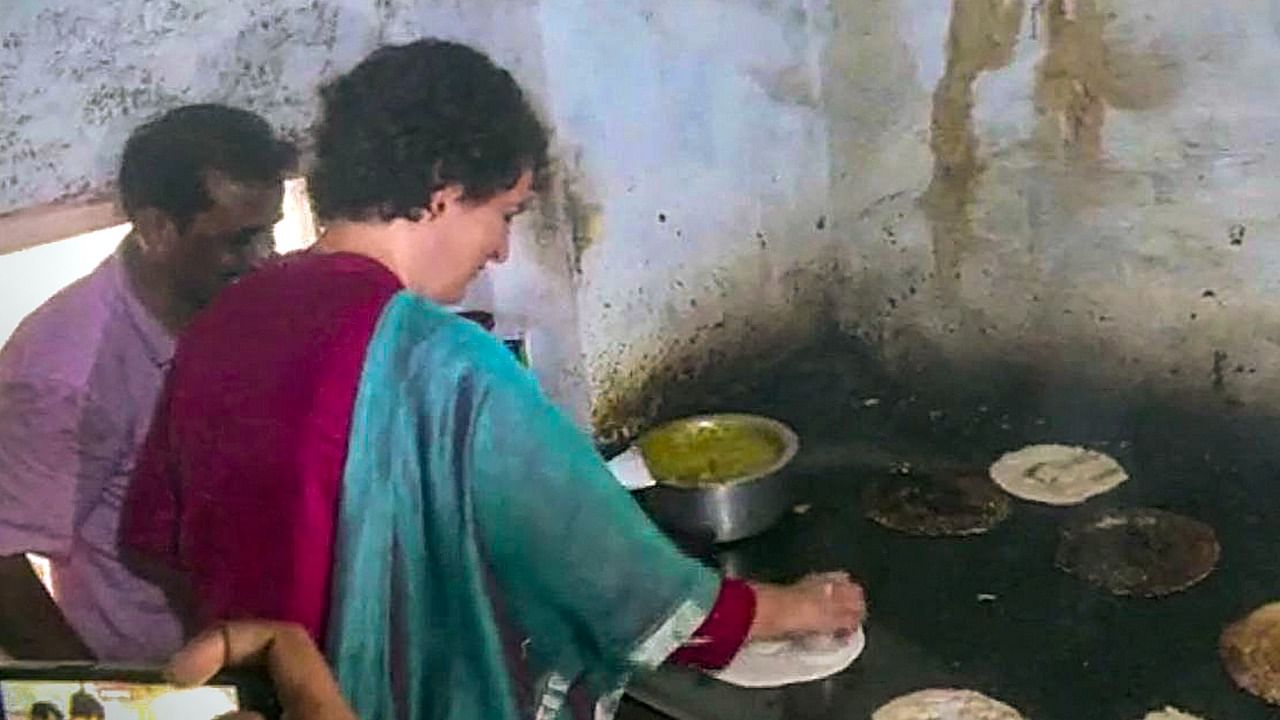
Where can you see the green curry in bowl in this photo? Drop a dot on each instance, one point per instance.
(714, 450)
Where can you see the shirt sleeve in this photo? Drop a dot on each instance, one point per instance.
(57, 451)
(725, 630)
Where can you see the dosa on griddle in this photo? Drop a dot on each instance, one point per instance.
(1138, 551)
(1250, 650)
(936, 505)
(945, 704)
(1057, 474)
(1170, 713)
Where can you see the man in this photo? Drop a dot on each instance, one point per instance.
(84, 706)
(44, 711)
(202, 186)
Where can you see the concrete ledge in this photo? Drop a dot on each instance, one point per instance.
(28, 227)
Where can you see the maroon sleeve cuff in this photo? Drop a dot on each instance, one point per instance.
(725, 630)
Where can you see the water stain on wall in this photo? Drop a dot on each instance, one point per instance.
(981, 37)
(1083, 73)
(788, 86)
(583, 213)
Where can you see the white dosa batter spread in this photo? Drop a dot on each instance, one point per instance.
(1170, 713)
(778, 663)
(946, 704)
(1057, 474)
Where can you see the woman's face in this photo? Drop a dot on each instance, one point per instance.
(464, 237)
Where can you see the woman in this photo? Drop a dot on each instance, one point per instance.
(337, 450)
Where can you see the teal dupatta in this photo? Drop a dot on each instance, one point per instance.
(474, 512)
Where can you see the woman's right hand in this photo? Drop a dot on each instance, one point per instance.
(821, 604)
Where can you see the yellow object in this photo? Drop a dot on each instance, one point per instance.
(711, 451)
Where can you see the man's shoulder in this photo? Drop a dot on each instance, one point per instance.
(59, 341)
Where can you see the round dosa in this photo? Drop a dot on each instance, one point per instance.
(1250, 650)
(1138, 551)
(777, 663)
(1057, 474)
(1170, 713)
(945, 704)
(936, 505)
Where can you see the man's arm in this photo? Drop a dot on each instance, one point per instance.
(31, 626)
(55, 448)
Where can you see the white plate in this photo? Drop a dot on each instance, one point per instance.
(631, 471)
(774, 664)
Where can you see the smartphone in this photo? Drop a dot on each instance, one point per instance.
(86, 691)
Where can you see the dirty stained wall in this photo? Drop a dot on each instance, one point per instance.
(1075, 190)
(1052, 193)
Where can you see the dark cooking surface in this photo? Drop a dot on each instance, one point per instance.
(1048, 643)
(937, 505)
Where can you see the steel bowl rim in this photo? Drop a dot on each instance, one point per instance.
(790, 447)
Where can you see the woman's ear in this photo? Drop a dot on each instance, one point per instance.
(443, 200)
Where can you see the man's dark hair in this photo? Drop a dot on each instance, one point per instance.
(44, 711)
(166, 161)
(85, 705)
(412, 119)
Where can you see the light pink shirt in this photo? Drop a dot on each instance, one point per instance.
(78, 382)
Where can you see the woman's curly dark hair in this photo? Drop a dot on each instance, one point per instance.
(412, 119)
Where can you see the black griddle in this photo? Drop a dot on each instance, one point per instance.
(991, 612)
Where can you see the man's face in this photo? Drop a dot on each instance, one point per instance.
(226, 241)
(467, 236)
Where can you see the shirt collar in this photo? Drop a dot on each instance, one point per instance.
(156, 339)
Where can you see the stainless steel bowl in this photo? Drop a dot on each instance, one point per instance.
(731, 508)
